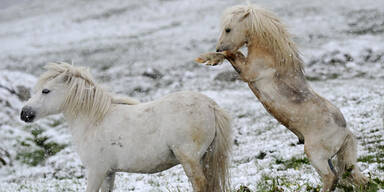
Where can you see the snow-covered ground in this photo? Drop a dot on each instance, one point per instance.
(145, 49)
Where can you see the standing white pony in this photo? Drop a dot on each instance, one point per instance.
(116, 134)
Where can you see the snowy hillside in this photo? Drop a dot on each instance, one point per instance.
(146, 48)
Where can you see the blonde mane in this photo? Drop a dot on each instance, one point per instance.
(84, 95)
(268, 32)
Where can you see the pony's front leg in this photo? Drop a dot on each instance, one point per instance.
(238, 62)
(212, 58)
(95, 178)
(108, 183)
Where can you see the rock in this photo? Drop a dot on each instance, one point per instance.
(17, 83)
(228, 76)
(366, 21)
(341, 64)
(261, 155)
(382, 113)
(5, 158)
(368, 55)
(336, 58)
(140, 89)
(23, 92)
(243, 189)
(153, 73)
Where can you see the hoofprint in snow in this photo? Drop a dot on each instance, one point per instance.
(145, 49)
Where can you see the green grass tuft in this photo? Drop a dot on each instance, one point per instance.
(43, 148)
(293, 163)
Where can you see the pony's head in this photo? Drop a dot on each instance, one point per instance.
(259, 27)
(68, 89)
(234, 29)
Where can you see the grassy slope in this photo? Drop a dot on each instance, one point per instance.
(120, 40)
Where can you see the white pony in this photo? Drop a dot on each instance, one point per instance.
(117, 134)
(274, 72)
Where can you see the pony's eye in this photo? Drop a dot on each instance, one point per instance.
(45, 91)
(227, 30)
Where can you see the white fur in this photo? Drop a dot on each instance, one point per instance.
(139, 138)
(273, 71)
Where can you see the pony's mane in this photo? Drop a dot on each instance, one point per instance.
(270, 34)
(84, 95)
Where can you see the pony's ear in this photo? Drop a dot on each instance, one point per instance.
(64, 77)
(245, 15)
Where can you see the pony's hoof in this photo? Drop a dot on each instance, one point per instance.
(211, 59)
(206, 62)
(200, 60)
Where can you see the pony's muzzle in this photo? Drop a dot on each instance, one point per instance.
(222, 48)
(219, 47)
(27, 114)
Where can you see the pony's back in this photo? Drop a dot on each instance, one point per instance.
(120, 99)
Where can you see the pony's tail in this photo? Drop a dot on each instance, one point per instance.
(346, 161)
(216, 160)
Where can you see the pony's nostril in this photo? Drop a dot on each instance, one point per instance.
(27, 114)
(31, 115)
(23, 116)
(217, 50)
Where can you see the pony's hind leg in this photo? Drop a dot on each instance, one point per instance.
(346, 161)
(320, 159)
(108, 183)
(95, 178)
(193, 169)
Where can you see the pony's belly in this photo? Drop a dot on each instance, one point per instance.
(148, 162)
(155, 168)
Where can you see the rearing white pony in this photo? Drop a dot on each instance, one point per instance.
(273, 70)
(116, 134)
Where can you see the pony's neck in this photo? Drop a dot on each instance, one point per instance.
(265, 58)
(270, 59)
(77, 120)
(80, 129)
